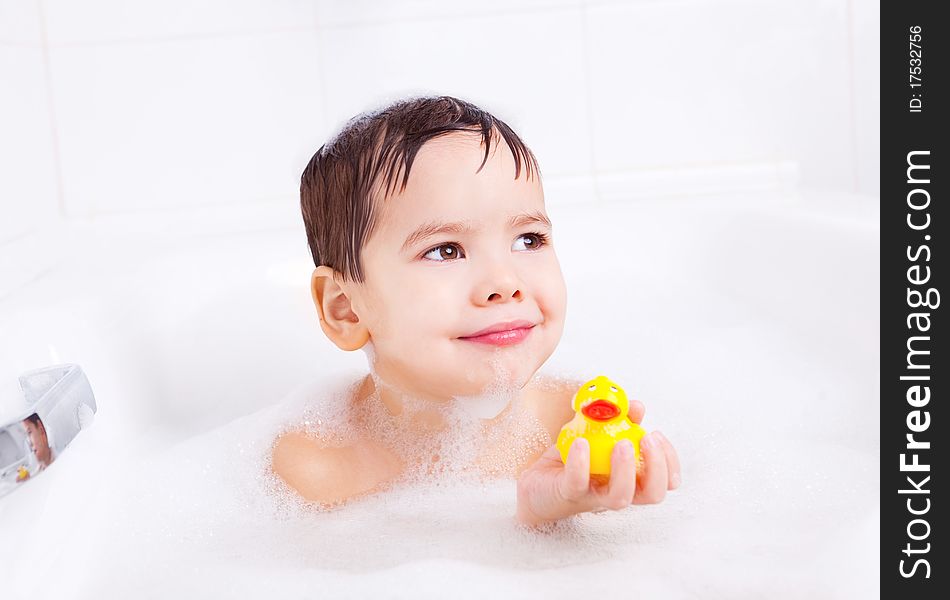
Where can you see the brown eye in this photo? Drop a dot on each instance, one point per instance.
(443, 253)
(532, 241)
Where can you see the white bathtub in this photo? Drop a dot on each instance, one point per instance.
(747, 325)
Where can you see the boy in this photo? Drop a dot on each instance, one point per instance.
(431, 247)
(39, 441)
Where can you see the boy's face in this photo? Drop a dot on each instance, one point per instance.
(38, 440)
(419, 300)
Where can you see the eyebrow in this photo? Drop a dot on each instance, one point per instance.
(433, 228)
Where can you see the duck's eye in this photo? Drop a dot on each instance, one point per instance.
(592, 388)
(613, 389)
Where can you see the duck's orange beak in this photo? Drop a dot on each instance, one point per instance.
(601, 410)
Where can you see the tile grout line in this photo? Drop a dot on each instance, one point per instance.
(317, 24)
(200, 36)
(51, 111)
(18, 44)
(588, 102)
(849, 4)
(425, 18)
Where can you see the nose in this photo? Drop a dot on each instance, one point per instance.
(497, 297)
(500, 286)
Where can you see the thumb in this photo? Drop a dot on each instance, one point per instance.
(635, 411)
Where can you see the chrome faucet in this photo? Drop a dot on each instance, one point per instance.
(55, 404)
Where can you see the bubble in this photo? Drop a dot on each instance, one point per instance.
(494, 397)
(219, 500)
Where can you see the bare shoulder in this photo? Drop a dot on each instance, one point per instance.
(309, 467)
(328, 475)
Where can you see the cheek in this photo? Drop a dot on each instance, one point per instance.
(414, 310)
(433, 310)
(551, 290)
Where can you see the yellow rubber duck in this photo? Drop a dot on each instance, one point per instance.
(601, 406)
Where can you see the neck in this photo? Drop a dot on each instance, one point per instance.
(427, 413)
(424, 413)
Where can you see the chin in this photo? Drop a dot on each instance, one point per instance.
(520, 370)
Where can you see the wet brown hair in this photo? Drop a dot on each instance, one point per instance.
(35, 419)
(339, 189)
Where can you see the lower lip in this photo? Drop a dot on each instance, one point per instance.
(501, 338)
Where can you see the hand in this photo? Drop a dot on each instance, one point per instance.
(550, 490)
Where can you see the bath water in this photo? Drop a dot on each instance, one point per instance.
(776, 511)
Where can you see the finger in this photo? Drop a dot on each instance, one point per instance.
(574, 482)
(635, 411)
(652, 484)
(549, 460)
(551, 455)
(672, 461)
(623, 477)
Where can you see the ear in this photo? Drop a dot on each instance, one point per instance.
(337, 319)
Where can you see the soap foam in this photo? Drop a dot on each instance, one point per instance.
(495, 397)
(210, 513)
(462, 444)
(466, 437)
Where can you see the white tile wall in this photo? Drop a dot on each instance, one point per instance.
(184, 122)
(526, 68)
(28, 192)
(97, 21)
(361, 12)
(20, 21)
(734, 81)
(160, 105)
(866, 28)
(27, 175)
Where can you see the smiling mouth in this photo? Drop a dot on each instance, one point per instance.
(507, 337)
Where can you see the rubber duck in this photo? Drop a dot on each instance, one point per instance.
(22, 474)
(601, 406)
